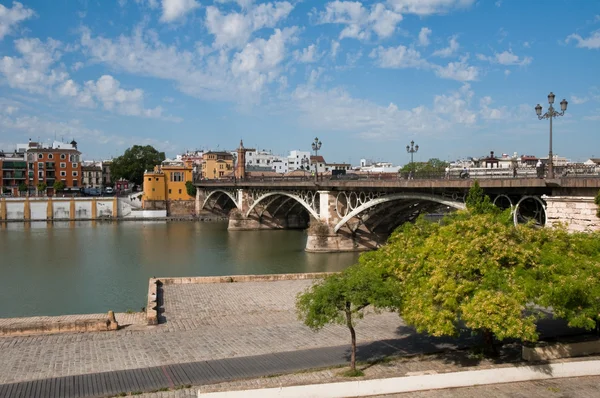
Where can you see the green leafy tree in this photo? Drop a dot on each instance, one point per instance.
(132, 164)
(23, 187)
(433, 167)
(58, 186)
(41, 187)
(190, 188)
(597, 201)
(478, 202)
(342, 298)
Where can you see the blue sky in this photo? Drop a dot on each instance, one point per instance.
(459, 77)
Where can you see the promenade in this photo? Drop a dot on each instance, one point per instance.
(211, 333)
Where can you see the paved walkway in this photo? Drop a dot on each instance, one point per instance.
(219, 330)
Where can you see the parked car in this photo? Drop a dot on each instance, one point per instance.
(109, 190)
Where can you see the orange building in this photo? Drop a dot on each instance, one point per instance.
(61, 162)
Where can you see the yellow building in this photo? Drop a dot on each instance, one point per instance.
(167, 181)
(216, 165)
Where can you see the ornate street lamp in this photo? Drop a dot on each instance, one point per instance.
(412, 149)
(316, 145)
(549, 115)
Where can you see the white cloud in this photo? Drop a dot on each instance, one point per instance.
(579, 100)
(76, 66)
(172, 10)
(456, 106)
(498, 3)
(591, 42)
(488, 113)
(506, 58)
(398, 57)
(424, 36)
(460, 71)
(335, 45)
(234, 29)
(10, 17)
(506, 72)
(170, 100)
(360, 22)
(428, 7)
(307, 55)
(9, 110)
(448, 51)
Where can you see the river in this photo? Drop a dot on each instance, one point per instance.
(92, 267)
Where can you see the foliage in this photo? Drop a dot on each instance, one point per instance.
(41, 187)
(433, 166)
(23, 187)
(190, 188)
(478, 202)
(342, 298)
(58, 186)
(132, 164)
(597, 201)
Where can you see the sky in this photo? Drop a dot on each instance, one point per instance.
(458, 77)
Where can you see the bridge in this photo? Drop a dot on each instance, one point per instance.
(358, 215)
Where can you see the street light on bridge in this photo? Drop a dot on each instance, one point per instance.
(549, 115)
(316, 145)
(412, 149)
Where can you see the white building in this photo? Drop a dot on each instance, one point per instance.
(377, 167)
(266, 158)
(298, 160)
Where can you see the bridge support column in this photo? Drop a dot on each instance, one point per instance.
(577, 212)
(323, 239)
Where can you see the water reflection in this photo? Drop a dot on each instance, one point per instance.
(84, 267)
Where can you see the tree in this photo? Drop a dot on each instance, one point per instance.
(58, 186)
(23, 187)
(342, 298)
(41, 187)
(478, 202)
(190, 188)
(132, 164)
(597, 201)
(432, 167)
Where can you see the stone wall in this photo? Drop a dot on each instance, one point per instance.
(155, 205)
(577, 212)
(177, 208)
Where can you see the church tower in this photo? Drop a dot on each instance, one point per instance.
(240, 167)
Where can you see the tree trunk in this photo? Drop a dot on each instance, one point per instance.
(353, 335)
(488, 343)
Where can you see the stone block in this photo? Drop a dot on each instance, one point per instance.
(560, 350)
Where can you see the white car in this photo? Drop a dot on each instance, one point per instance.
(109, 190)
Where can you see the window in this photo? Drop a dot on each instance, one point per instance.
(63, 165)
(156, 178)
(75, 182)
(169, 191)
(40, 155)
(31, 166)
(176, 176)
(40, 174)
(50, 156)
(74, 165)
(40, 165)
(74, 174)
(63, 156)
(63, 173)
(153, 189)
(180, 191)
(149, 178)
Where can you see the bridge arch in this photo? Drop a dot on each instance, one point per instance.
(398, 196)
(220, 191)
(297, 198)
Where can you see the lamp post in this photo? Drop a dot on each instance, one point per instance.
(214, 174)
(316, 145)
(549, 115)
(412, 149)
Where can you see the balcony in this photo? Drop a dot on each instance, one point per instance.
(13, 165)
(49, 165)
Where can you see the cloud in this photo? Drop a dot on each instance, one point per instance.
(456, 106)
(579, 100)
(424, 36)
(233, 30)
(360, 22)
(448, 51)
(488, 113)
(335, 45)
(428, 7)
(76, 66)
(11, 17)
(398, 57)
(592, 42)
(460, 71)
(506, 58)
(307, 55)
(172, 10)
(241, 77)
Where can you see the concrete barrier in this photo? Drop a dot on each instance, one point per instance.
(152, 305)
(561, 350)
(245, 278)
(396, 385)
(26, 327)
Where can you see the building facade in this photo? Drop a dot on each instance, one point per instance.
(13, 173)
(167, 181)
(91, 175)
(216, 165)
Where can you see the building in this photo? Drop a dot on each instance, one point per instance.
(216, 165)
(377, 167)
(106, 177)
(167, 181)
(91, 175)
(298, 160)
(14, 173)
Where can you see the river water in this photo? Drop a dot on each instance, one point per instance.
(92, 267)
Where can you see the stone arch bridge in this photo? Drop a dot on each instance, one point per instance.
(359, 215)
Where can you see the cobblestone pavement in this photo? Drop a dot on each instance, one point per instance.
(203, 322)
